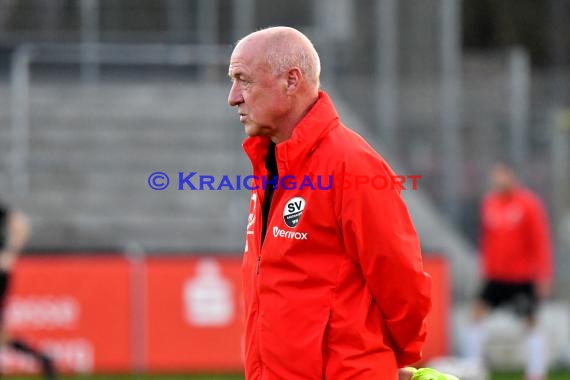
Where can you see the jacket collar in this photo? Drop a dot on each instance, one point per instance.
(303, 141)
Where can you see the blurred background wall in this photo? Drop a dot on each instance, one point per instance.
(95, 95)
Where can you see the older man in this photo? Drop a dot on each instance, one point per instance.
(333, 280)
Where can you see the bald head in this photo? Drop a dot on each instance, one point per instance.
(286, 48)
(275, 81)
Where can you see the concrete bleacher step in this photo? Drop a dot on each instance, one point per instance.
(134, 118)
(128, 133)
(150, 232)
(91, 151)
(167, 141)
(186, 161)
(131, 177)
(186, 204)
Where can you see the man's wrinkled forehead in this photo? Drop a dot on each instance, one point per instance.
(249, 53)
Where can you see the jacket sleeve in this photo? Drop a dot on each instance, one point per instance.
(378, 232)
(542, 245)
(483, 238)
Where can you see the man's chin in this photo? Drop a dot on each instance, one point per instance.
(253, 130)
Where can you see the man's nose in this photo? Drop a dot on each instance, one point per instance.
(235, 96)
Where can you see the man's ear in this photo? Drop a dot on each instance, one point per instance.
(294, 77)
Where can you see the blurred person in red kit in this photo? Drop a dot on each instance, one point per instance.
(14, 231)
(516, 257)
(334, 286)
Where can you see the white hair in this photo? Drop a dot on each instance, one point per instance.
(283, 55)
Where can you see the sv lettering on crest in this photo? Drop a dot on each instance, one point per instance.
(295, 206)
(293, 211)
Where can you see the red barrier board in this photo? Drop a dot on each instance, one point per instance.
(438, 324)
(163, 314)
(194, 314)
(77, 308)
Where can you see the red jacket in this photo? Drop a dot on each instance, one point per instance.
(338, 290)
(515, 242)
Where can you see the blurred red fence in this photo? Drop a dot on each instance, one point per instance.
(160, 314)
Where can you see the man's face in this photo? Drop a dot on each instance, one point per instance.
(502, 178)
(260, 96)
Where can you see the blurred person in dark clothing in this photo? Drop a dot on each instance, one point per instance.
(516, 257)
(14, 231)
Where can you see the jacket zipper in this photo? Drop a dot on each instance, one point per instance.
(271, 207)
(257, 285)
(257, 270)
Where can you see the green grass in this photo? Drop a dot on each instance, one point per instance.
(501, 376)
(518, 376)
